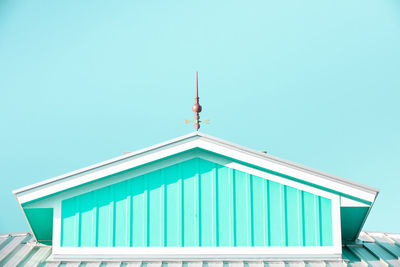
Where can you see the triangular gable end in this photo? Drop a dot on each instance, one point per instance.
(293, 194)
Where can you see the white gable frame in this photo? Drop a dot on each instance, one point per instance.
(190, 252)
(331, 252)
(185, 143)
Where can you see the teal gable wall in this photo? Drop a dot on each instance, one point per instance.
(196, 203)
(42, 223)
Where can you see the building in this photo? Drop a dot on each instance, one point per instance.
(197, 200)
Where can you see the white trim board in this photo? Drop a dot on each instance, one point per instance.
(183, 144)
(196, 252)
(51, 202)
(55, 202)
(104, 163)
(346, 202)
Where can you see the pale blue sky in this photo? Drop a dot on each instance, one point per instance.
(315, 82)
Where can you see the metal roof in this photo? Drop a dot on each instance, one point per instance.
(371, 249)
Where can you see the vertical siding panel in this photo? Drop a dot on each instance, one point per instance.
(128, 185)
(118, 223)
(68, 214)
(104, 231)
(97, 203)
(127, 213)
(292, 218)
(87, 222)
(162, 209)
(216, 223)
(326, 222)
(232, 201)
(242, 209)
(300, 232)
(284, 215)
(251, 211)
(139, 214)
(275, 218)
(95, 221)
(155, 207)
(189, 204)
(197, 199)
(76, 227)
(207, 200)
(112, 218)
(266, 211)
(145, 215)
(77, 224)
(180, 214)
(122, 215)
(309, 219)
(224, 206)
(259, 202)
(172, 206)
(317, 221)
(197, 203)
(303, 222)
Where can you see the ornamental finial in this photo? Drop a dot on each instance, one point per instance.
(197, 107)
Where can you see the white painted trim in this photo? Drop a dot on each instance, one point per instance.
(258, 158)
(336, 224)
(335, 199)
(314, 179)
(346, 202)
(191, 252)
(196, 252)
(268, 176)
(288, 163)
(107, 162)
(90, 177)
(52, 188)
(26, 219)
(49, 202)
(195, 140)
(57, 224)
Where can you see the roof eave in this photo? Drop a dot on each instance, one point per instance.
(104, 163)
(212, 139)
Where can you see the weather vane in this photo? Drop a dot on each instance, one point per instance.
(197, 108)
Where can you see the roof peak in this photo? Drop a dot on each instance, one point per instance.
(215, 140)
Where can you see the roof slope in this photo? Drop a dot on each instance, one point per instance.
(371, 249)
(209, 143)
(352, 195)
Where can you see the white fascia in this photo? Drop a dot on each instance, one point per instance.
(185, 143)
(325, 253)
(346, 202)
(59, 252)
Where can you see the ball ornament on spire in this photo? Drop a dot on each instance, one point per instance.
(196, 108)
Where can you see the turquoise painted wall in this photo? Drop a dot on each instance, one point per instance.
(197, 203)
(41, 221)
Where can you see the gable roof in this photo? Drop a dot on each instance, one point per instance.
(355, 200)
(344, 187)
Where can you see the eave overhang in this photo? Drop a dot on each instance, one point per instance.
(304, 174)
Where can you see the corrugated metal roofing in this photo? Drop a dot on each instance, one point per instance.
(371, 249)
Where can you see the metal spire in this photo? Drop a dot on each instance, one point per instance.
(197, 107)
